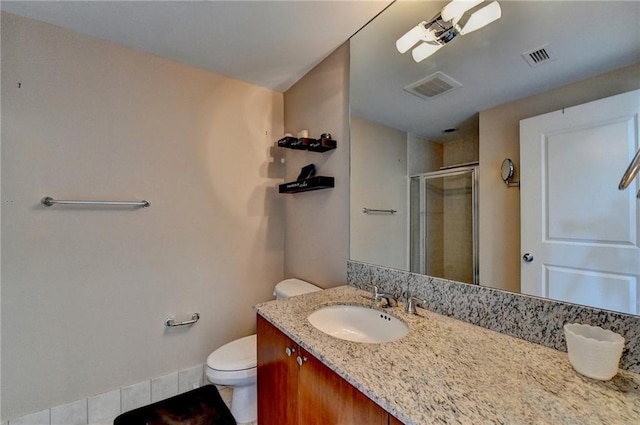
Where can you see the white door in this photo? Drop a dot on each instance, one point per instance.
(579, 232)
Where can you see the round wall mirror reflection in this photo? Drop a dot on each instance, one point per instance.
(506, 171)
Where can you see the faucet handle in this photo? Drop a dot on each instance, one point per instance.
(376, 294)
(412, 303)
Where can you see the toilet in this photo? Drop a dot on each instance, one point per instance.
(235, 363)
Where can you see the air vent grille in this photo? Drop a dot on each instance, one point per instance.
(433, 86)
(538, 56)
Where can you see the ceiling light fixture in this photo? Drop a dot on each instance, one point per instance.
(459, 17)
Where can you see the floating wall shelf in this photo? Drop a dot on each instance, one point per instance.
(307, 144)
(312, 183)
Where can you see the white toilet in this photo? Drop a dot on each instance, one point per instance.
(235, 363)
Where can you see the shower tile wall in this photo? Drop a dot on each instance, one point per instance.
(458, 227)
(436, 207)
(458, 213)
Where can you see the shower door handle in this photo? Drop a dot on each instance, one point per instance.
(527, 258)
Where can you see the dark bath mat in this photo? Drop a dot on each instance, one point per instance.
(202, 406)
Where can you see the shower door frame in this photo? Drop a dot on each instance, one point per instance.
(471, 170)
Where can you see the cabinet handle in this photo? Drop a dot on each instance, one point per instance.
(289, 351)
(301, 360)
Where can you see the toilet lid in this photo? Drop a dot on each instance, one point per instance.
(236, 355)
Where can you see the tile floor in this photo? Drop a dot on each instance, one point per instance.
(226, 394)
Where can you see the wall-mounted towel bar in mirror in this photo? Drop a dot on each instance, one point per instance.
(373, 210)
(49, 202)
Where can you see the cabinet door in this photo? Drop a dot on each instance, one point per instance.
(394, 421)
(277, 377)
(324, 398)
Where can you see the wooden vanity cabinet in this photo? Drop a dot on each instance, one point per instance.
(394, 421)
(295, 388)
(277, 376)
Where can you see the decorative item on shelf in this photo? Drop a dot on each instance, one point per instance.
(304, 142)
(288, 141)
(306, 172)
(323, 144)
(312, 183)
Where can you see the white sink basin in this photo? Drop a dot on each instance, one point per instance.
(358, 323)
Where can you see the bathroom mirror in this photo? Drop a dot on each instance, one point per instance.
(490, 74)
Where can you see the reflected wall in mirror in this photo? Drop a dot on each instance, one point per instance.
(397, 135)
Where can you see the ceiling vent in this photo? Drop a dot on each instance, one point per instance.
(433, 86)
(538, 56)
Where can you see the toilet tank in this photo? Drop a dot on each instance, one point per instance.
(292, 287)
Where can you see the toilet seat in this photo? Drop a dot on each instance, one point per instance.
(235, 363)
(235, 356)
(232, 378)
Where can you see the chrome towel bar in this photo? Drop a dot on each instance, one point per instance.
(49, 202)
(631, 172)
(170, 323)
(372, 210)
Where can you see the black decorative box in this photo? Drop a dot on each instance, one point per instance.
(291, 143)
(321, 145)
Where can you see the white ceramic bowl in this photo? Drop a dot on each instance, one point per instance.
(593, 352)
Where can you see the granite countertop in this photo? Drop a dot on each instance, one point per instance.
(446, 371)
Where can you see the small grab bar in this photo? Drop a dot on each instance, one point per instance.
(170, 323)
(49, 202)
(373, 210)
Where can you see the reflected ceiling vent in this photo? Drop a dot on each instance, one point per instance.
(538, 56)
(433, 86)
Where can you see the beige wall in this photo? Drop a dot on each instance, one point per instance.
(379, 181)
(85, 290)
(317, 222)
(423, 155)
(499, 139)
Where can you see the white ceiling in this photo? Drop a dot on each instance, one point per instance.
(587, 38)
(274, 43)
(268, 43)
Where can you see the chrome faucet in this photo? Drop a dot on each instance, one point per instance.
(388, 297)
(377, 296)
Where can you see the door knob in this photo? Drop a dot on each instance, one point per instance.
(527, 258)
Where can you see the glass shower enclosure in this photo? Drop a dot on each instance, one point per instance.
(444, 224)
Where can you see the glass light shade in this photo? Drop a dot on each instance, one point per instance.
(412, 36)
(425, 50)
(482, 17)
(456, 9)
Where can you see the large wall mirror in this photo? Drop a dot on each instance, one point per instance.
(429, 140)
